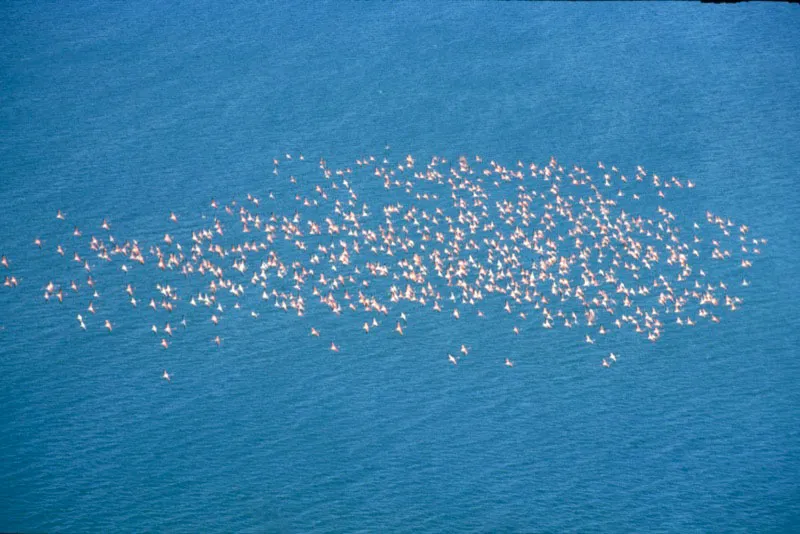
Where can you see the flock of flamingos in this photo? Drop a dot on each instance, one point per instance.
(551, 246)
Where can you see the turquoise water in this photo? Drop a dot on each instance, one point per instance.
(131, 112)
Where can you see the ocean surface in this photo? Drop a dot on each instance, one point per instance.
(130, 111)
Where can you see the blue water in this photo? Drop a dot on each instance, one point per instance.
(128, 112)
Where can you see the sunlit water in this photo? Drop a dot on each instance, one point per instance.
(128, 113)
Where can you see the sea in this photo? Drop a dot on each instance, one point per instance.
(130, 111)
